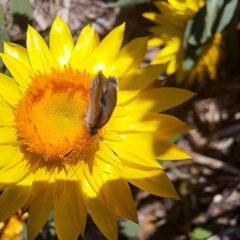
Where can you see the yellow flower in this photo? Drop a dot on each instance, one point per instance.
(12, 228)
(169, 33)
(49, 159)
(208, 60)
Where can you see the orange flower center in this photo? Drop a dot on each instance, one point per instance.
(50, 117)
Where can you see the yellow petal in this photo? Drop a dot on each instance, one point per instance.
(169, 97)
(170, 126)
(96, 188)
(195, 5)
(18, 52)
(152, 147)
(83, 184)
(39, 54)
(120, 111)
(167, 33)
(171, 49)
(20, 72)
(82, 55)
(61, 42)
(159, 19)
(12, 198)
(164, 98)
(128, 150)
(154, 181)
(108, 48)
(172, 66)
(40, 176)
(118, 192)
(158, 4)
(166, 125)
(6, 113)
(155, 17)
(129, 57)
(76, 204)
(126, 95)
(8, 135)
(66, 227)
(94, 181)
(169, 151)
(106, 155)
(7, 152)
(180, 6)
(142, 77)
(163, 60)
(155, 42)
(105, 220)
(172, 15)
(42, 195)
(16, 170)
(9, 90)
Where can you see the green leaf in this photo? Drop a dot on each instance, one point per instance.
(174, 138)
(194, 33)
(129, 228)
(200, 233)
(3, 37)
(126, 3)
(213, 7)
(3, 33)
(24, 233)
(227, 15)
(209, 20)
(21, 7)
(1, 16)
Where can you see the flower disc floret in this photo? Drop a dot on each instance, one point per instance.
(50, 118)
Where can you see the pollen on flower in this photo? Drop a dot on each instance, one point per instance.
(50, 117)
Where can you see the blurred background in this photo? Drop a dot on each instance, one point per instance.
(206, 61)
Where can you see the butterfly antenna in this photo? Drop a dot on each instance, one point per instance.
(107, 144)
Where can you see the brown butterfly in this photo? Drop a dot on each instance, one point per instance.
(103, 99)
